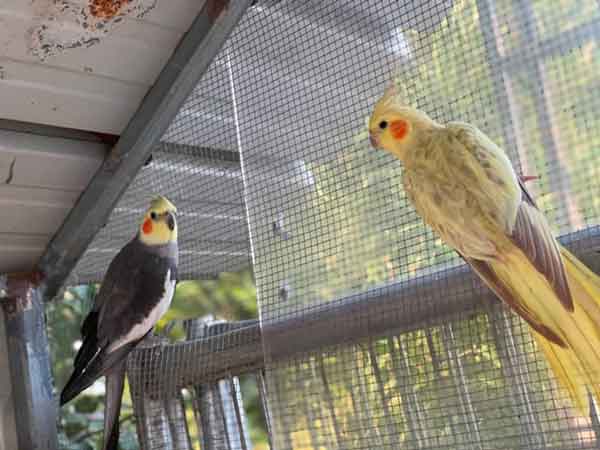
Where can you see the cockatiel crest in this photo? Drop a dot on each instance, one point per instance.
(394, 124)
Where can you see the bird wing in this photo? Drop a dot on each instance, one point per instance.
(532, 234)
(133, 286)
(99, 365)
(123, 263)
(527, 226)
(504, 291)
(153, 286)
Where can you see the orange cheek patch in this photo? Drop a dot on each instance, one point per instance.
(147, 227)
(399, 128)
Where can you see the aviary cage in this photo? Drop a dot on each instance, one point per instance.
(372, 334)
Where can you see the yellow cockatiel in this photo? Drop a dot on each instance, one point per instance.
(464, 188)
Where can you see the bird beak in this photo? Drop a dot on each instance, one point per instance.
(170, 219)
(374, 140)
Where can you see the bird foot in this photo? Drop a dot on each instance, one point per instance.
(526, 178)
(152, 340)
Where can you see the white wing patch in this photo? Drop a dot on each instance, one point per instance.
(140, 329)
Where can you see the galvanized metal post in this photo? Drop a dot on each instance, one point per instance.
(161, 421)
(222, 417)
(508, 108)
(555, 150)
(282, 425)
(364, 402)
(305, 384)
(263, 397)
(330, 403)
(35, 408)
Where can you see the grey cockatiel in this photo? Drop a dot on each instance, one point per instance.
(136, 292)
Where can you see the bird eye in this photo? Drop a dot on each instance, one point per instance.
(383, 124)
(153, 215)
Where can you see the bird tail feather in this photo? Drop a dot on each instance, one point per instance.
(98, 367)
(115, 381)
(575, 356)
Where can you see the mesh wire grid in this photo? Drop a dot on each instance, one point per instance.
(185, 395)
(343, 225)
(200, 173)
(372, 334)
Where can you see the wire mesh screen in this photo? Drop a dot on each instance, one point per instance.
(474, 382)
(332, 230)
(372, 332)
(199, 171)
(188, 395)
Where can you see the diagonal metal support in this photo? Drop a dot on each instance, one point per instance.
(178, 78)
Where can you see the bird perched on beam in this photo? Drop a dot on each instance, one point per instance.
(135, 293)
(464, 187)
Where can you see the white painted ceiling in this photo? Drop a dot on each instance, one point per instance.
(97, 84)
(61, 66)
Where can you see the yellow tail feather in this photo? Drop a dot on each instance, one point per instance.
(566, 369)
(576, 366)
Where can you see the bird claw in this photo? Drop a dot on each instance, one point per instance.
(152, 340)
(526, 178)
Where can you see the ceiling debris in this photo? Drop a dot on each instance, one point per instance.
(66, 24)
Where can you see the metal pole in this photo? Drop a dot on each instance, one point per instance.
(329, 400)
(161, 420)
(555, 152)
(35, 408)
(508, 108)
(441, 390)
(223, 420)
(392, 429)
(410, 401)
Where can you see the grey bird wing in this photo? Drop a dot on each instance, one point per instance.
(133, 286)
(122, 264)
(533, 236)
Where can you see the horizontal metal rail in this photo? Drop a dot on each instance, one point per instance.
(238, 347)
